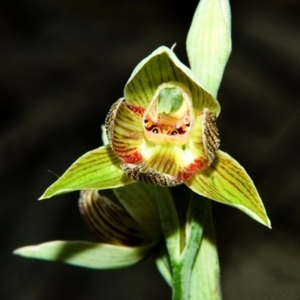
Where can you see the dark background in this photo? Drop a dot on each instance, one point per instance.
(63, 63)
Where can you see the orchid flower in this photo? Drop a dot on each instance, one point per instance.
(161, 133)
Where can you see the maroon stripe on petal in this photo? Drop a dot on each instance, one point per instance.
(110, 222)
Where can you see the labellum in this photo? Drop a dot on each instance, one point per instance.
(166, 143)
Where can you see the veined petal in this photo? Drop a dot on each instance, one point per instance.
(125, 132)
(86, 254)
(110, 222)
(97, 169)
(204, 141)
(165, 165)
(163, 66)
(139, 200)
(226, 181)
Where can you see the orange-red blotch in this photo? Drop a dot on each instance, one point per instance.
(196, 166)
(134, 158)
(136, 109)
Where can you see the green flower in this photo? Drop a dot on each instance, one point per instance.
(163, 131)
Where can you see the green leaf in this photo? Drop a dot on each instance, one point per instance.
(209, 42)
(205, 276)
(139, 200)
(86, 254)
(169, 222)
(97, 169)
(164, 268)
(226, 181)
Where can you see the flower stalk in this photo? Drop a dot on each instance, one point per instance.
(197, 224)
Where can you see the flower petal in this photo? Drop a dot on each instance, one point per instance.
(125, 132)
(139, 200)
(204, 141)
(162, 66)
(97, 169)
(226, 181)
(110, 222)
(165, 165)
(86, 254)
(209, 42)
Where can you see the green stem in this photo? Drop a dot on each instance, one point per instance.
(169, 222)
(188, 225)
(194, 267)
(181, 282)
(173, 234)
(182, 270)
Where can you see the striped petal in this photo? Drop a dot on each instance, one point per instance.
(204, 141)
(160, 67)
(165, 165)
(110, 222)
(226, 181)
(96, 169)
(124, 131)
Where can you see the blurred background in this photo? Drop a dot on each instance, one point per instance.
(62, 65)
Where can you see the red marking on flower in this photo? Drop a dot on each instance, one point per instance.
(136, 109)
(134, 158)
(196, 166)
